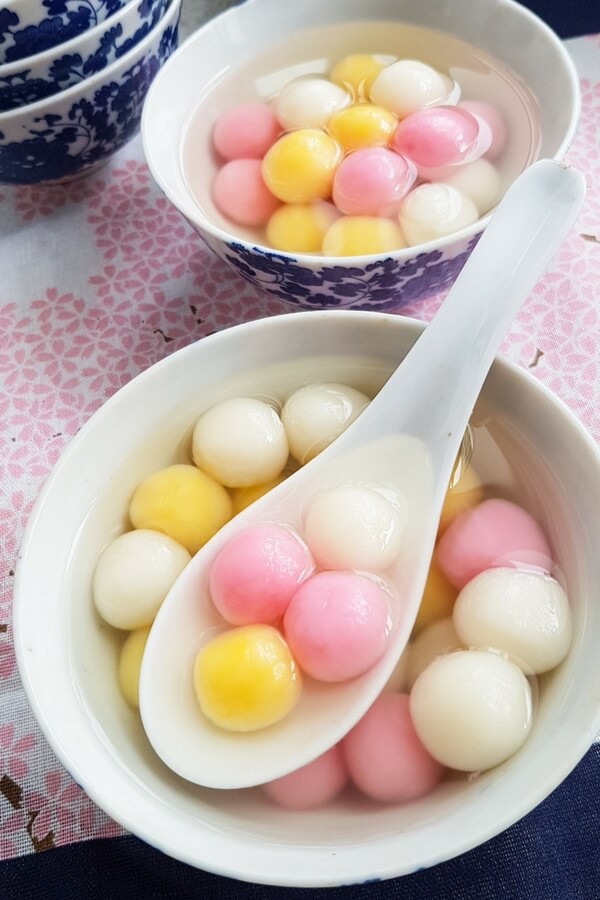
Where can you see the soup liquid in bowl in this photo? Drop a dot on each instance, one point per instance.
(491, 460)
(316, 51)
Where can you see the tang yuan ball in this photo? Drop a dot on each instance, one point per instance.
(315, 414)
(363, 236)
(357, 73)
(354, 527)
(492, 117)
(471, 709)
(362, 125)
(465, 494)
(495, 533)
(244, 497)
(246, 679)
(525, 615)
(240, 442)
(256, 573)
(182, 502)
(300, 227)
(480, 181)
(300, 166)
(133, 576)
(385, 757)
(130, 664)
(246, 131)
(432, 211)
(308, 102)
(437, 639)
(439, 136)
(438, 598)
(337, 625)
(313, 785)
(408, 85)
(372, 182)
(240, 193)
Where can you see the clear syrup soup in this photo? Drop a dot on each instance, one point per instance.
(506, 464)
(480, 76)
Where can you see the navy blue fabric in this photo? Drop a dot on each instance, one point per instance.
(569, 18)
(552, 854)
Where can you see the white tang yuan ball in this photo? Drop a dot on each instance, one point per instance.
(434, 210)
(240, 442)
(409, 85)
(471, 709)
(308, 102)
(314, 415)
(353, 527)
(479, 181)
(134, 575)
(523, 614)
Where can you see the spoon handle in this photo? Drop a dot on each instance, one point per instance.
(447, 366)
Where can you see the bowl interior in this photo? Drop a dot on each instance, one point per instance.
(315, 51)
(259, 36)
(68, 658)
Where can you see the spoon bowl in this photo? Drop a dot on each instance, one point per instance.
(405, 441)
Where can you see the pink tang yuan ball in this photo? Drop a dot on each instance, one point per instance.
(240, 193)
(492, 117)
(246, 132)
(385, 757)
(337, 625)
(315, 784)
(494, 533)
(439, 136)
(255, 575)
(372, 181)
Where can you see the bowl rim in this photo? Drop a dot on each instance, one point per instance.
(45, 56)
(193, 213)
(116, 789)
(98, 78)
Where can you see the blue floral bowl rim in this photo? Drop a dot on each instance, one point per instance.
(17, 65)
(98, 78)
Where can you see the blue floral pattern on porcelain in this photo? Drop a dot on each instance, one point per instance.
(59, 20)
(384, 284)
(58, 147)
(36, 82)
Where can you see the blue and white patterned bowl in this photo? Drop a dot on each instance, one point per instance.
(267, 35)
(32, 79)
(70, 134)
(28, 27)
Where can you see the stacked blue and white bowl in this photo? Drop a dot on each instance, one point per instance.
(73, 78)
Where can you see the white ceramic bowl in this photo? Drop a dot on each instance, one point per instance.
(68, 659)
(31, 26)
(56, 69)
(72, 133)
(264, 35)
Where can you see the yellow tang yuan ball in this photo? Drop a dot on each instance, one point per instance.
(465, 494)
(184, 503)
(300, 228)
(362, 125)
(438, 599)
(243, 497)
(130, 663)
(300, 166)
(361, 235)
(246, 678)
(357, 73)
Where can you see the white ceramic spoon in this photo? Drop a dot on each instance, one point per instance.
(406, 440)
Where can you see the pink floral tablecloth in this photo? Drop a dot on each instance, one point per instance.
(100, 279)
